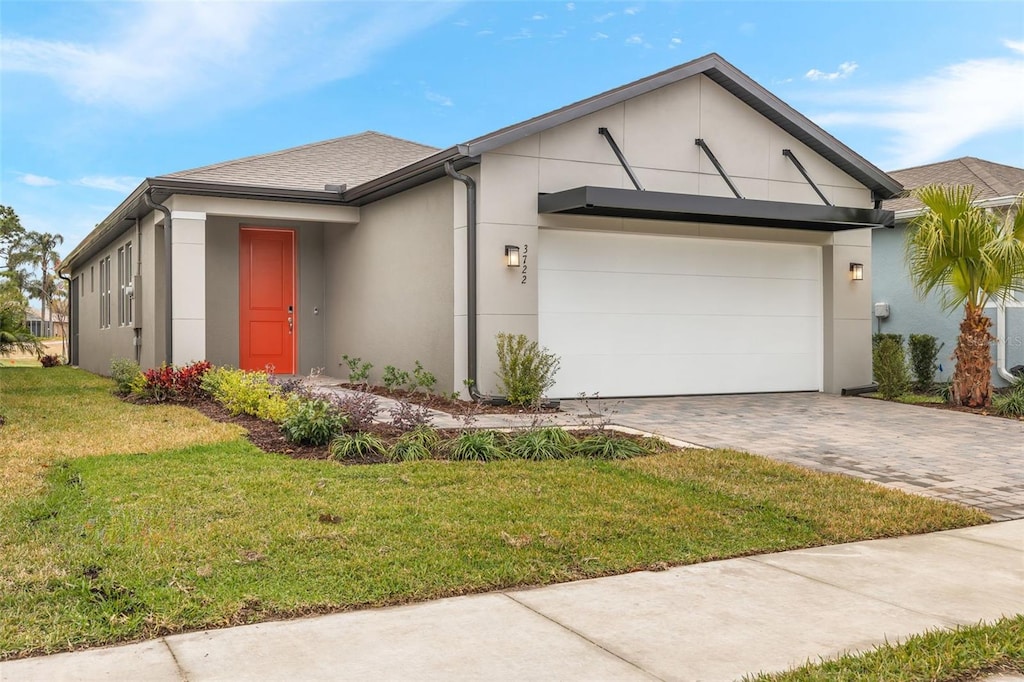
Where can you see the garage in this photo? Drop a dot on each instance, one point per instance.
(639, 315)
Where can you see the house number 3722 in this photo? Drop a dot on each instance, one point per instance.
(526, 256)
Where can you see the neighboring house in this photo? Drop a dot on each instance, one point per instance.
(611, 230)
(44, 329)
(996, 187)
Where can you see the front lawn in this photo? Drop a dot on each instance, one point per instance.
(132, 521)
(964, 653)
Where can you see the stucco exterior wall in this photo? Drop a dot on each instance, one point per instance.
(389, 286)
(656, 133)
(99, 345)
(909, 314)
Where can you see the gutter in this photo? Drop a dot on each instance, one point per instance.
(1001, 344)
(67, 322)
(168, 280)
(471, 339)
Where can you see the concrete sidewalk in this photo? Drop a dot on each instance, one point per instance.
(713, 621)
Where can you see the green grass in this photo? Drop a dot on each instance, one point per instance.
(913, 398)
(121, 544)
(965, 653)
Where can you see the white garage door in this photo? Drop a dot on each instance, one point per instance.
(635, 315)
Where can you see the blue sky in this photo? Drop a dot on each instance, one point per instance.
(98, 95)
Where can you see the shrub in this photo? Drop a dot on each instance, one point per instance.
(356, 446)
(476, 446)
(924, 354)
(313, 422)
(358, 371)
(415, 445)
(421, 378)
(1010, 403)
(606, 446)
(395, 378)
(406, 415)
(50, 361)
(542, 444)
(242, 392)
(168, 382)
(526, 371)
(127, 375)
(890, 367)
(359, 408)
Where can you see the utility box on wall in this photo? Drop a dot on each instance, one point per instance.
(881, 310)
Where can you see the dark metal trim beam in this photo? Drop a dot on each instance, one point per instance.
(621, 157)
(691, 208)
(803, 171)
(718, 167)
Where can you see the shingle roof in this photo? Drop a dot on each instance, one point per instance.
(989, 179)
(350, 160)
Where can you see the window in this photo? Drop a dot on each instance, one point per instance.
(105, 292)
(124, 281)
(92, 279)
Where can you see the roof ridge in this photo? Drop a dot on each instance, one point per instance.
(310, 145)
(979, 168)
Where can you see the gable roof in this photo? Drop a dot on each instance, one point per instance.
(349, 160)
(374, 166)
(990, 180)
(713, 66)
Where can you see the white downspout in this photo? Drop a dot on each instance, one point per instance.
(1001, 342)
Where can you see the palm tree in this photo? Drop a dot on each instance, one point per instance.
(43, 254)
(974, 256)
(14, 335)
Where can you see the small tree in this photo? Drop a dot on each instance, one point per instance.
(973, 256)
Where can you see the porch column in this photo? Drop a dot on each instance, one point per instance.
(847, 311)
(188, 279)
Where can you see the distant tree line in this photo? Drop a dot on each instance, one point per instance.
(28, 272)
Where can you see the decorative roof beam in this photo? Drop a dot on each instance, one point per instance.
(622, 159)
(718, 167)
(803, 172)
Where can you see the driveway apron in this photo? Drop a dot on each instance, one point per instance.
(971, 459)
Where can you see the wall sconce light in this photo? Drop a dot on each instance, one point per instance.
(511, 256)
(856, 271)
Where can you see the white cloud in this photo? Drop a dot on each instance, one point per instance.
(599, 36)
(674, 43)
(570, 6)
(438, 98)
(119, 183)
(485, 32)
(927, 118)
(539, 17)
(156, 55)
(33, 180)
(637, 39)
(524, 34)
(601, 18)
(1015, 45)
(631, 11)
(845, 70)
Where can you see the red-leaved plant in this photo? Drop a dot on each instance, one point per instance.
(168, 382)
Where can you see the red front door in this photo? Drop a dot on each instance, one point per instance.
(266, 308)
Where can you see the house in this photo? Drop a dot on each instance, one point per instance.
(687, 233)
(899, 310)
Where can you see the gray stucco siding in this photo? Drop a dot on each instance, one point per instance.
(389, 289)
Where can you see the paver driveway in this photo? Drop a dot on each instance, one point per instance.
(971, 459)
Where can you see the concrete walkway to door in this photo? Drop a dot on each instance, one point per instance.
(966, 458)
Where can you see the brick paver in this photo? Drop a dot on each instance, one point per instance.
(971, 459)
